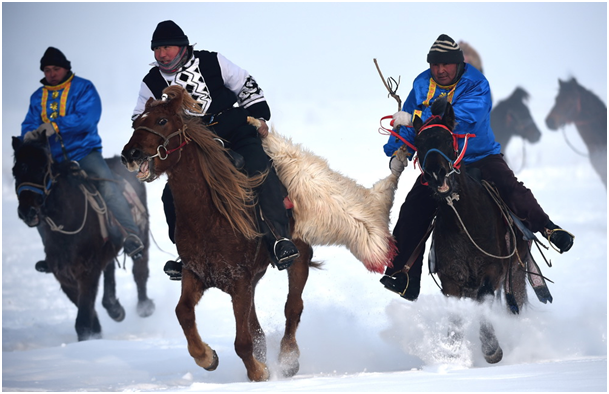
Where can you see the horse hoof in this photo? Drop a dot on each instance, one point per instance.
(214, 362)
(495, 357)
(116, 312)
(289, 364)
(291, 370)
(145, 308)
(262, 374)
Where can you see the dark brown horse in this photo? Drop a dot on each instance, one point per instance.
(476, 252)
(216, 234)
(64, 205)
(579, 106)
(511, 117)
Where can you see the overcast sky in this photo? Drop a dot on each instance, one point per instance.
(314, 61)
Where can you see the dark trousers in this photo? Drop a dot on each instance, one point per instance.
(418, 210)
(96, 167)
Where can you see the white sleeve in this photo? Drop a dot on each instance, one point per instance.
(240, 82)
(144, 95)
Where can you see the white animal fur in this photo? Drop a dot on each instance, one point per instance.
(332, 209)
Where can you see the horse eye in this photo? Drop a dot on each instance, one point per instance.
(162, 121)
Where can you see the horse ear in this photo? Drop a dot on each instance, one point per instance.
(17, 142)
(438, 107)
(449, 116)
(417, 123)
(520, 94)
(148, 102)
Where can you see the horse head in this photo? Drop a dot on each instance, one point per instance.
(33, 175)
(158, 132)
(518, 118)
(437, 148)
(567, 105)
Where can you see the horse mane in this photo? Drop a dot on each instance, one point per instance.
(231, 191)
(576, 86)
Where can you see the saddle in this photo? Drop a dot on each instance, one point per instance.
(110, 228)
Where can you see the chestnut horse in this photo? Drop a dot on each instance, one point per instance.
(476, 252)
(62, 202)
(578, 105)
(216, 232)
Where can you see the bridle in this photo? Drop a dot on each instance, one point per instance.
(44, 188)
(163, 147)
(455, 164)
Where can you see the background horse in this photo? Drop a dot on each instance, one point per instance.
(511, 117)
(475, 252)
(216, 234)
(64, 205)
(576, 104)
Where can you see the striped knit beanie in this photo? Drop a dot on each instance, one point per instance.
(445, 50)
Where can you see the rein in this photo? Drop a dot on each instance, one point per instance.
(455, 197)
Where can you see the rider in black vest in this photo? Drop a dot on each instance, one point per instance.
(217, 84)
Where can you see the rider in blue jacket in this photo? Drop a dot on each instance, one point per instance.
(469, 93)
(67, 109)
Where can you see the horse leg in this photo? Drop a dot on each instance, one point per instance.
(192, 291)
(243, 305)
(490, 345)
(298, 274)
(87, 323)
(109, 301)
(259, 337)
(145, 306)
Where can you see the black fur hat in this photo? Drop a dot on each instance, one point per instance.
(168, 33)
(445, 50)
(54, 57)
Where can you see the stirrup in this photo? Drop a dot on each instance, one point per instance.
(133, 246)
(286, 261)
(173, 268)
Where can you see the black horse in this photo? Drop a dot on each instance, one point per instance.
(511, 117)
(579, 106)
(476, 251)
(79, 239)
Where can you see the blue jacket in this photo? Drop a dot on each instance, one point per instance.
(471, 100)
(74, 108)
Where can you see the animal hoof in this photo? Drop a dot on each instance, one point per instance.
(494, 357)
(289, 364)
(214, 362)
(116, 312)
(145, 308)
(261, 374)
